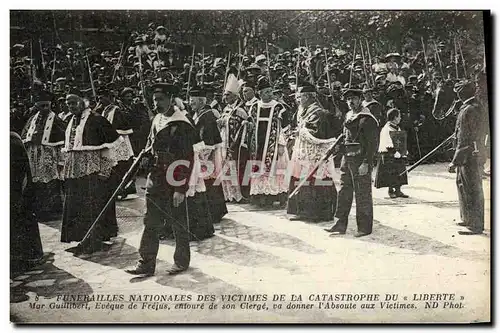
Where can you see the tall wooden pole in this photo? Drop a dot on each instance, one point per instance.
(352, 64)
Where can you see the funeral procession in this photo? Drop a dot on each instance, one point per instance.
(250, 166)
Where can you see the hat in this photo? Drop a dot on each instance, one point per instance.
(42, 95)
(352, 92)
(253, 68)
(304, 87)
(127, 91)
(198, 92)
(262, 83)
(165, 88)
(260, 57)
(393, 55)
(160, 28)
(61, 79)
(233, 84)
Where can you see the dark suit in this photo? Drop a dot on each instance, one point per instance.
(363, 129)
(172, 143)
(470, 128)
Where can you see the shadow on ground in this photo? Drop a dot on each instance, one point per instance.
(405, 239)
(46, 280)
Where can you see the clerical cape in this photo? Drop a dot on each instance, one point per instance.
(235, 152)
(43, 137)
(317, 200)
(88, 163)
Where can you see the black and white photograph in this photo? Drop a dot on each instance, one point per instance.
(250, 166)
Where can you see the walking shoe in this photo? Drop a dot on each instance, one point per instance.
(175, 269)
(336, 230)
(401, 195)
(392, 195)
(141, 269)
(361, 234)
(469, 232)
(462, 224)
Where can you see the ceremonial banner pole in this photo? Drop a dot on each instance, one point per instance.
(157, 55)
(268, 63)
(364, 64)
(53, 73)
(462, 56)
(328, 72)
(143, 87)
(416, 164)
(118, 64)
(239, 58)
(227, 70)
(190, 71)
(439, 60)
(323, 159)
(91, 79)
(425, 57)
(202, 65)
(129, 174)
(41, 54)
(456, 56)
(352, 64)
(370, 62)
(297, 72)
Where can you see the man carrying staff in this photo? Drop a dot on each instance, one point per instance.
(361, 134)
(172, 137)
(470, 155)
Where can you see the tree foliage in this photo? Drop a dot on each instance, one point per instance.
(385, 31)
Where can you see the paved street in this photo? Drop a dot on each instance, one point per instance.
(414, 249)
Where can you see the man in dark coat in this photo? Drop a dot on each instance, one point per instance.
(25, 243)
(361, 136)
(470, 153)
(173, 137)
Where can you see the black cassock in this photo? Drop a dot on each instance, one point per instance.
(25, 242)
(206, 125)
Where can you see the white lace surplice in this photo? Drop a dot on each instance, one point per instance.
(307, 151)
(123, 150)
(276, 181)
(83, 163)
(43, 162)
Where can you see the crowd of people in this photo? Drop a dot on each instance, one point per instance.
(243, 125)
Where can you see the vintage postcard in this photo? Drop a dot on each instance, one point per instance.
(250, 166)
